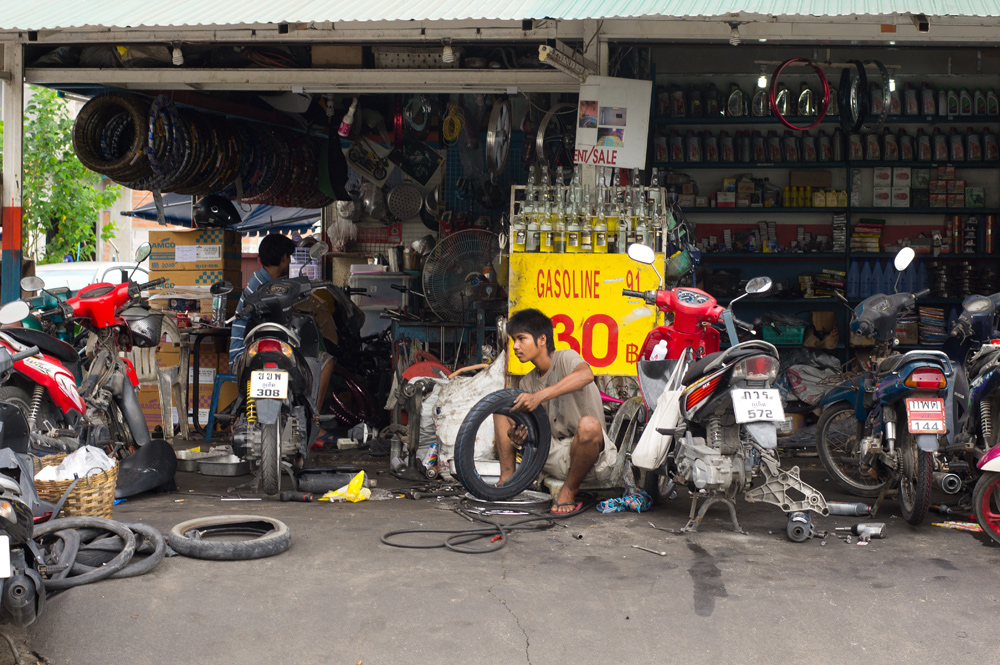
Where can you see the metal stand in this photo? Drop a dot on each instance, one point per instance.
(695, 521)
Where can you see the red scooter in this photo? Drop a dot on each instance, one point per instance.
(712, 426)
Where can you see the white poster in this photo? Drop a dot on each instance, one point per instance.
(613, 122)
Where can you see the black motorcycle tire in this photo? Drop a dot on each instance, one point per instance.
(102, 572)
(826, 455)
(984, 498)
(270, 460)
(915, 493)
(534, 452)
(151, 537)
(272, 537)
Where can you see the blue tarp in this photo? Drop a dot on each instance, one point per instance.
(263, 218)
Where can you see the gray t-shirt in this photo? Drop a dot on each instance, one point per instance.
(565, 411)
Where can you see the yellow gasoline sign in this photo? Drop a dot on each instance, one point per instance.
(582, 293)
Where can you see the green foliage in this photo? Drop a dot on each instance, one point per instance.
(61, 199)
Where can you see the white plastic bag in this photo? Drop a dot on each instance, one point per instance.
(651, 451)
(455, 401)
(83, 462)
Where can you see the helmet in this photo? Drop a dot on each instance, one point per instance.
(216, 210)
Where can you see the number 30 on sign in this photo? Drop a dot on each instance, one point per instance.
(582, 293)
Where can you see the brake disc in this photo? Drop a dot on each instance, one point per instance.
(498, 137)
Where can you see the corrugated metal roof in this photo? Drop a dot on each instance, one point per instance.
(53, 14)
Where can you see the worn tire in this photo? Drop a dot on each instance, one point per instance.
(150, 536)
(270, 460)
(268, 542)
(915, 491)
(834, 461)
(534, 452)
(986, 504)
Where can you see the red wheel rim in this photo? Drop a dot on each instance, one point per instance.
(991, 517)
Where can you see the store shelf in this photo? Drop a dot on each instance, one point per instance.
(919, 256)
(750, 165)
(923, 211)
(740, 256)
(983, 164)
(756, 209)
(743, 120)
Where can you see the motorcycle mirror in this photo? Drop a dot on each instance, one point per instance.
(641, 253)
(14, 312)
(32, 283)
(903, 259)
(221, 288)
(318, 251)
(143, 252)
(758, 285)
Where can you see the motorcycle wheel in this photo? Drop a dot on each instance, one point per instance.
(837, 437)
(534, 452)
(120, 432)
(17, 396)
(986, 504)
(657, 485)
(270, 460)
(916, 479)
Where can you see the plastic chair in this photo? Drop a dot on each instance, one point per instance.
(214, 406)
(171, 382)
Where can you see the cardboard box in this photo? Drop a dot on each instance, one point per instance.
(908, 333)
(938, 200)
(197, 282)
(902, 176)
(729, 184)
(701, 202)
(339, 56)
(810, 178)
(195, 249)
(975, 197)
(725, 199)
(745, 187)
(956, 186)
(149, 401)
(882, 176)
(686, 200)
(956, 200)
(938, 186)
(920, 178)
(881, 197)
(920, 198)
(900, 197)
(946, 173)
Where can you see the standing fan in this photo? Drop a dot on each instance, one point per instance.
(453, 271)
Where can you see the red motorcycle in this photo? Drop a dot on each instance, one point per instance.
(118, 320)
(712, 426)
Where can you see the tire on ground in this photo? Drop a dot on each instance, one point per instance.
(273, 541)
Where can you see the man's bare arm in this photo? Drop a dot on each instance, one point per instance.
(580, 377)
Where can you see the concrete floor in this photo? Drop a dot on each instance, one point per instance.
(923, 595)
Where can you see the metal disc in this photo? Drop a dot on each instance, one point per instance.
(498, 137)
(545, 128)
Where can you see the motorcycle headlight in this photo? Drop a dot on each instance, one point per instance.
(757, 368)
(7, 512)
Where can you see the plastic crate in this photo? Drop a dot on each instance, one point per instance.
(784, 335)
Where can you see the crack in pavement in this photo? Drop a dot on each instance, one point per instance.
(527, 640)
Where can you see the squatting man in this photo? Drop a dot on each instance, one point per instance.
(561, 380)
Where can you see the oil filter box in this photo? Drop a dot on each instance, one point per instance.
(975, 197)
(195, 249)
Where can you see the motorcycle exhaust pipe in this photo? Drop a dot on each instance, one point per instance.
(19, 599)
(949, 483)
(852, 509)
(128, 402)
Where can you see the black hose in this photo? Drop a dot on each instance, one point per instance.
(152, 539)
(112, 567)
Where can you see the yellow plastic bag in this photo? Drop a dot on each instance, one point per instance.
(353, 491)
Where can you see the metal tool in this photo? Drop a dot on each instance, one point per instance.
(662, 528)
(304, 497)
(865, 530)
(646, 549)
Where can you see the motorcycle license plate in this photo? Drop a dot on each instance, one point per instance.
(5, 557)
(268, 385)
(756, 404)
(926, 416)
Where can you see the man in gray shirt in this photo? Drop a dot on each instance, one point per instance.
(563, 381)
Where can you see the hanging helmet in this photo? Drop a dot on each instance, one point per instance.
(216, 210)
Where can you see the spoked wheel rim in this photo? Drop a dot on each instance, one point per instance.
(842, 442)
(989, 507)
(908, 477)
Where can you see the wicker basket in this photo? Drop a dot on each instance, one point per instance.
(93, 496)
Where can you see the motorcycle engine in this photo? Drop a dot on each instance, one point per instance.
(709, 468)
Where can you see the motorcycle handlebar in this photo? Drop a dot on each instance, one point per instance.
(399, 287)
(743, 324)
(27, 353)
(150, 284)
(922, 294)
(633, 294)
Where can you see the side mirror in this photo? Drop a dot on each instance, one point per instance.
(143, 252)
(32, 283)
(904, 258)
(318, 251)
(641, 253)
(221, 288)
(14, 312)
(758, 285)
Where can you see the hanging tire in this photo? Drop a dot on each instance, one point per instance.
(533, 453)
(916, 477)
(838, 435)
(271, 537)
(270, 460)
(986, 504)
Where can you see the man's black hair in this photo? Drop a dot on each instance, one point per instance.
(534, 323)
(273, 248)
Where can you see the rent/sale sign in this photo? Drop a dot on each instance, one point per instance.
(582, 293)
(612, 122)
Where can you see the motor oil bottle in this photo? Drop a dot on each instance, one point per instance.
(991, 149)
(676, 143)
(855, 148)
(940, 145)
(873, 148)
(875, 98)
(964, 102)
(906, 152)
(782, 100)
(807, 101)
(992, 103)
(838, 143)
(895, 103)
(791, 145)
(711, 100)
(546, 243)
(758, 148)
(710, 145)
(890, 146)
(824, 149)
(956, 146)
(979, 102)
(808, 143)
(927, 104)
(774, 150)
(726, 153)
(942, 102)
(924, 147)
(953, 103)
(833, 109)
(736, 105)
(911, 105)
(759, 106)
(973, 146)
(678, 103)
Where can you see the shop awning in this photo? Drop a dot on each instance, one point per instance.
(261, 218)
(56, 14)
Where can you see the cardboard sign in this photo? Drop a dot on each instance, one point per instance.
(613, 122)
(582, 293)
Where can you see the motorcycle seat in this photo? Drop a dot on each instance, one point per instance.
(699, 367)
(46, 343)
(891, 363)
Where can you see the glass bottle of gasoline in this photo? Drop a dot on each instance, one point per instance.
(559, 217)
(598, 223)
(581, 212)
(643, 227)
(530, 216)
(546, 232)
